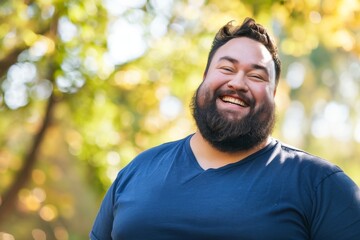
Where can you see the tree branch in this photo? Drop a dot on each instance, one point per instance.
(9, 199)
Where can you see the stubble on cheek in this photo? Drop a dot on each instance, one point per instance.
(203, 95)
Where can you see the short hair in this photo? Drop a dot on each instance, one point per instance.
(250, 29)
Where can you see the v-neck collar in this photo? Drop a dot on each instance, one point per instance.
(247, 159)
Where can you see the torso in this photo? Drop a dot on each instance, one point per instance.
(170, 196)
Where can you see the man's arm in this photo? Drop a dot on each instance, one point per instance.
(104, 220)
(336, 210)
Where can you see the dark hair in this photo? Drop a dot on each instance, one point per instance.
(249, 29)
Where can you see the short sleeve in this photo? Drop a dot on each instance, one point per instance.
(336, 209)
(103, 224)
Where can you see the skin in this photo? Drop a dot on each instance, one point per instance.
(244, 70)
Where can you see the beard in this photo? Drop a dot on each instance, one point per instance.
(232, 135)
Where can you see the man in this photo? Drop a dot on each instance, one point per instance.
(230, 179)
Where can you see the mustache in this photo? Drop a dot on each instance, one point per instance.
(248, 100)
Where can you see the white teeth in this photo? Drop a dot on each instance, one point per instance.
(234, 101)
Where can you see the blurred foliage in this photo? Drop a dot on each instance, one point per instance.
(112, 78)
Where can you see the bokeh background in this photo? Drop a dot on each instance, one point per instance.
(85, 85)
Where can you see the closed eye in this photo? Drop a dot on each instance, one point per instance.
(227, 69)
(257, 77)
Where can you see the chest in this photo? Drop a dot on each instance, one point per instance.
(208, 205)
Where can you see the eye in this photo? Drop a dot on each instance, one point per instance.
(257, 77)
(227, 69)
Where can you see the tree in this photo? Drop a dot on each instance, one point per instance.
(41, 43)
(86, 85)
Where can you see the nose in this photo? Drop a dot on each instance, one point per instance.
(238, 82)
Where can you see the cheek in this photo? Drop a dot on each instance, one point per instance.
(204, 94)
(264, 93)
(270, 91)
(201, 94)
(214, 80)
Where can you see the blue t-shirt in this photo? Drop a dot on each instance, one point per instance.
(276, 193)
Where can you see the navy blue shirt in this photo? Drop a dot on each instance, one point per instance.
(276, 193)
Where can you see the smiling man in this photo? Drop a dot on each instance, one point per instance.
(230, 179)
(234, 106)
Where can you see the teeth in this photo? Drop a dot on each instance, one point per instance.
(234, 101)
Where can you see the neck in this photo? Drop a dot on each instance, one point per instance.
(210, 157)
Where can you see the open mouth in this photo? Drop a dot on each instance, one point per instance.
(233, 100)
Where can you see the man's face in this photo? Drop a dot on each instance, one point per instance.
(234, 106)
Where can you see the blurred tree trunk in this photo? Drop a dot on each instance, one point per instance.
(9, 198)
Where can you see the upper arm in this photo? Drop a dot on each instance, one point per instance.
(336, 209)
(102, 227)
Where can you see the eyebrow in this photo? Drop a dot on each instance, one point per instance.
(235, 61)
(230, 59)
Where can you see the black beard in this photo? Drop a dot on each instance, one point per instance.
(228, 135)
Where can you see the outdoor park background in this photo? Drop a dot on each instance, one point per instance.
(87, 85)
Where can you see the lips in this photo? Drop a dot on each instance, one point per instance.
(234, 100)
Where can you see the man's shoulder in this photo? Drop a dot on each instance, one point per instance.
(159, 151)
(296, 156)
(295, 164)
(153, 159)
(164, 147)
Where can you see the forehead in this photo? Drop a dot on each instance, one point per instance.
(245, 50)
